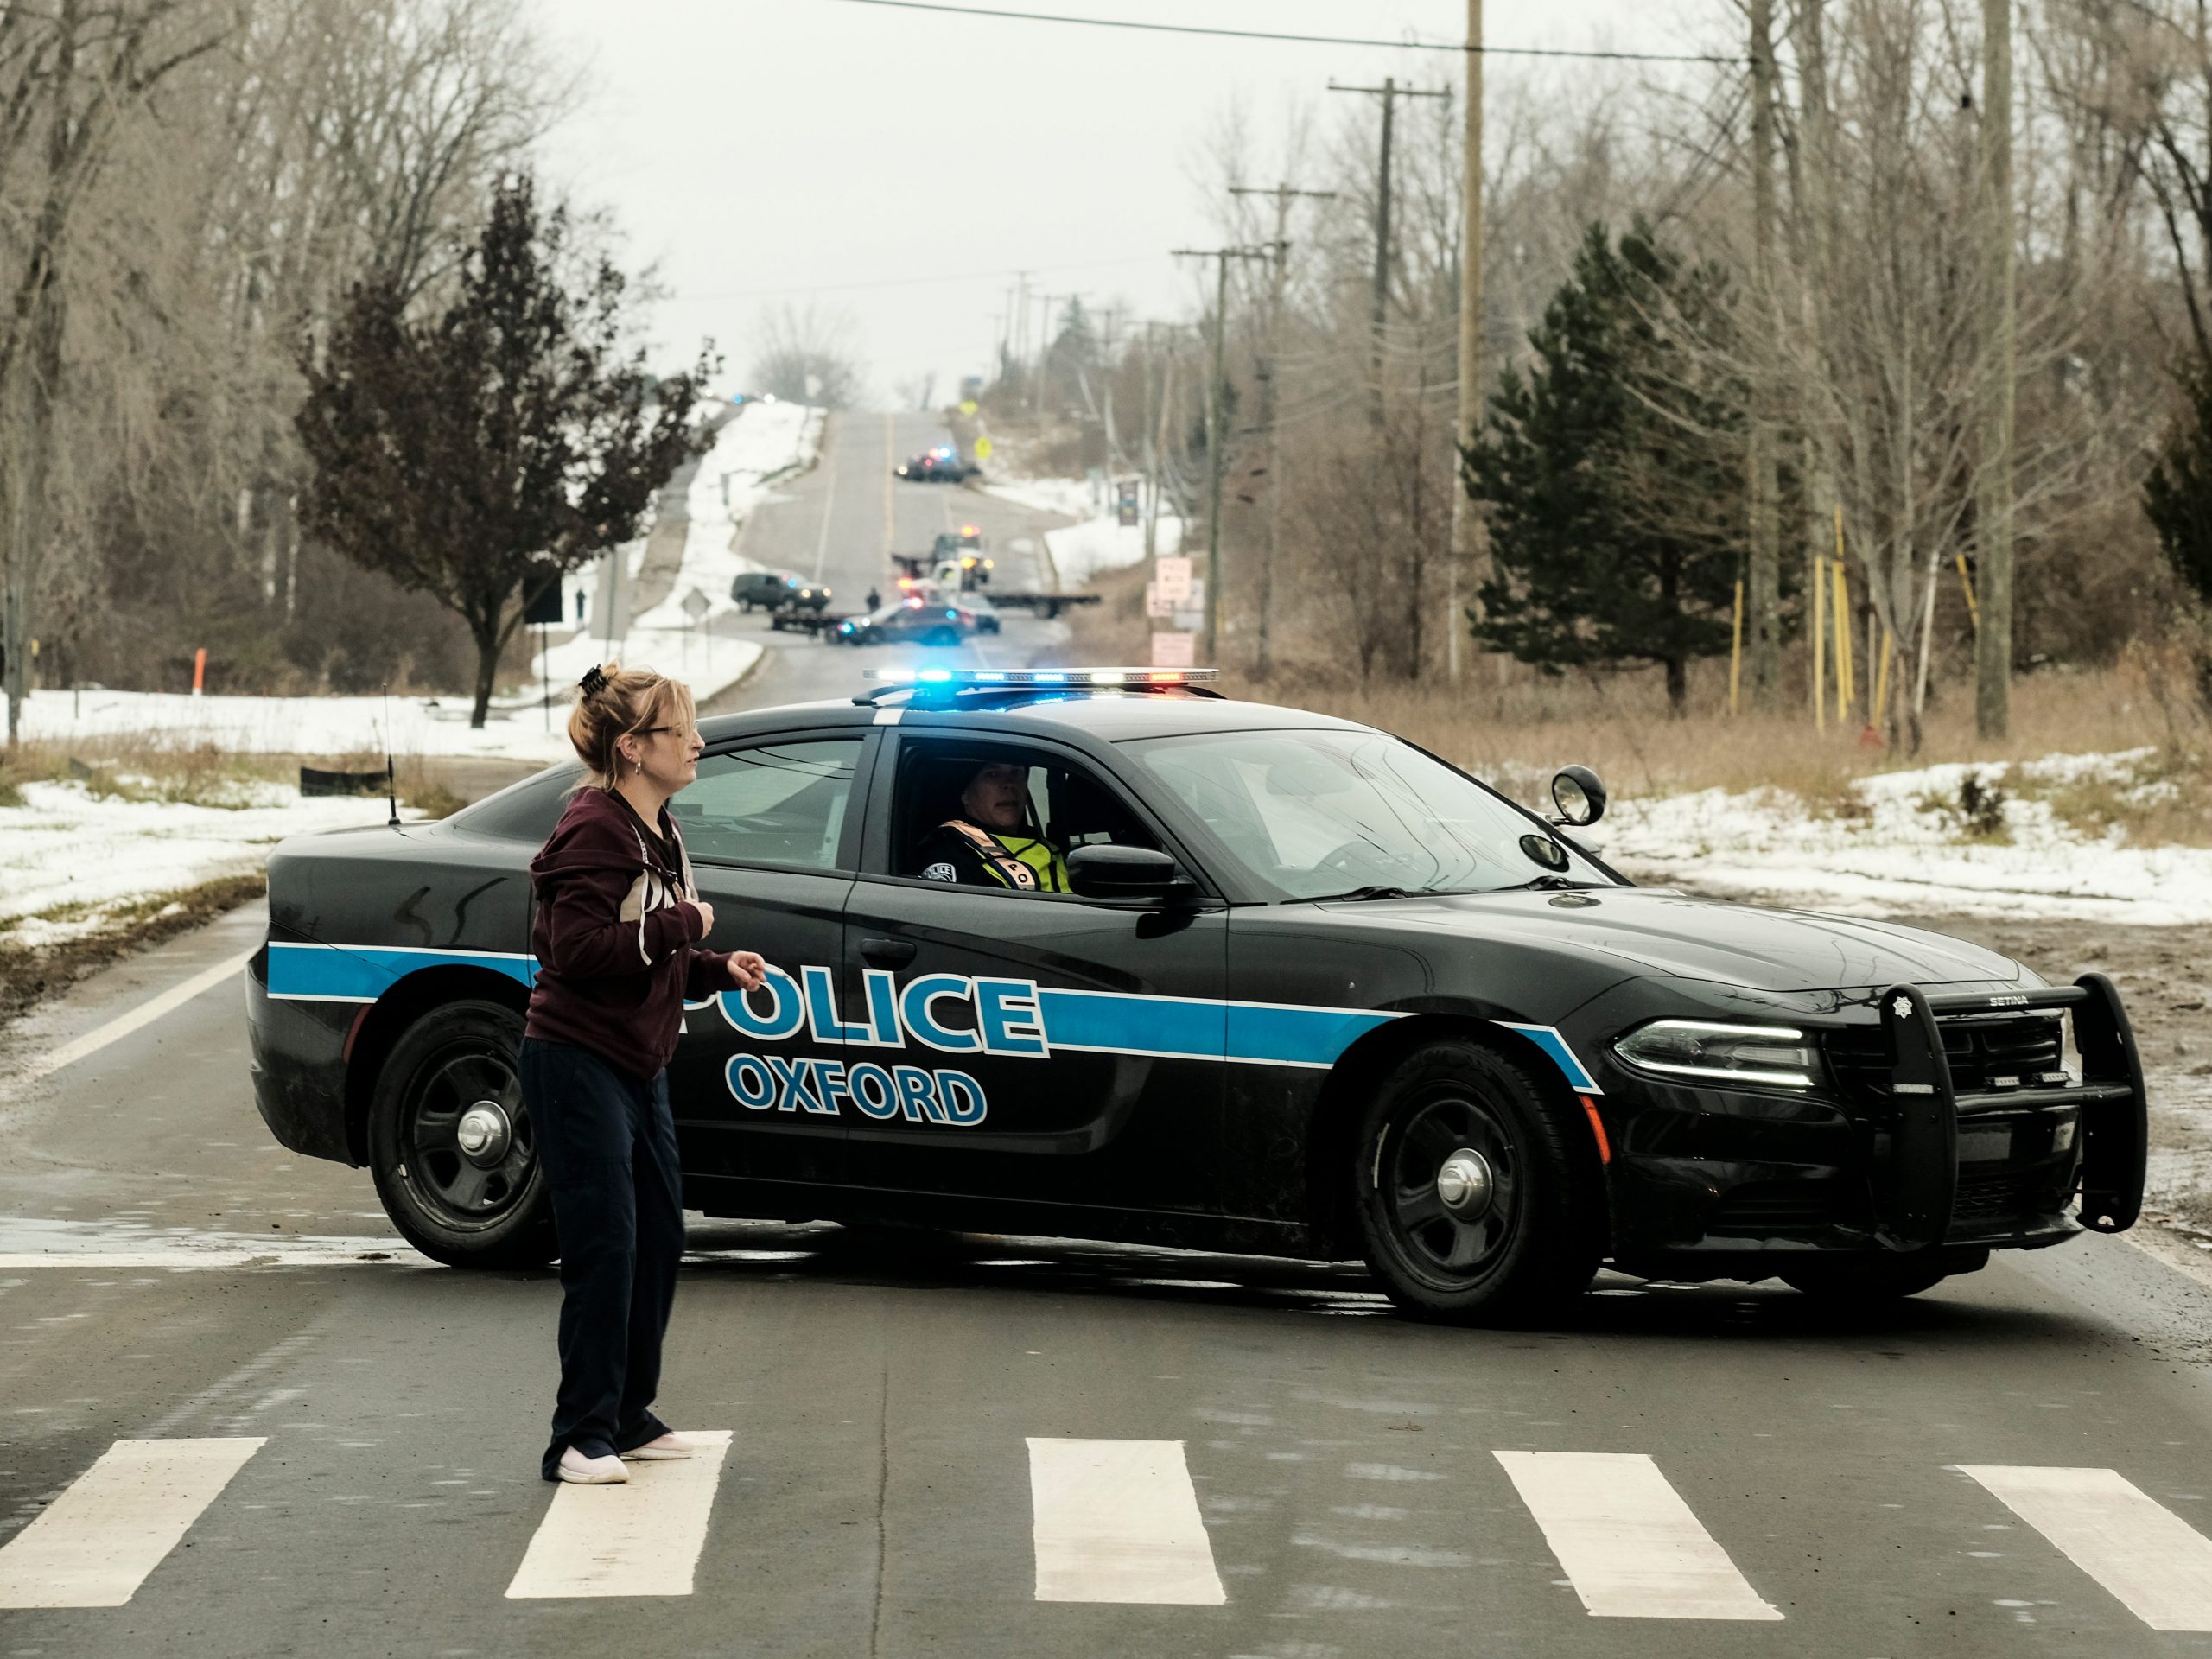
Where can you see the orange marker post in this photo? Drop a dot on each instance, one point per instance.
(199, 669)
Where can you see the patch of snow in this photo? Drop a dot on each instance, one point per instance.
(1910, 849)
(67, 850)
(764, 441)
(1071, 497)
(1081, 552)
(1098, 542)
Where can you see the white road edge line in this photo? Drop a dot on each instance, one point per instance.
(1118, 1521)
(1632, 1548)
(642, 1538)
(145, 1014)
(2151, 1560)
(94, 1545)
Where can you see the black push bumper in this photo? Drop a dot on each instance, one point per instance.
(1918, 1184)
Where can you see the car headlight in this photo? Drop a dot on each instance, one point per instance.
(1778, 1056)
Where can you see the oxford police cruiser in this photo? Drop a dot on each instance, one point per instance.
(1311, 992)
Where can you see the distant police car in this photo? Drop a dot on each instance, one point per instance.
(1314, 993)
(915, 617)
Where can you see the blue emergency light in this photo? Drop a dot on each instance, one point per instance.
(1044, 678)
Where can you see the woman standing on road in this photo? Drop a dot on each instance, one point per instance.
(617, 935)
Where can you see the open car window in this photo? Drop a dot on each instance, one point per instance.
(1305, 814)
(781, 804)
(1068, 805)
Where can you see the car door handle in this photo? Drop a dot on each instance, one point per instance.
(889, 953)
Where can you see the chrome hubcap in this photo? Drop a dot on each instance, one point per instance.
(1463, 1183)
(484, 1133)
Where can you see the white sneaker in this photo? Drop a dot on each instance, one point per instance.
(667, 1448)
(591, 1472)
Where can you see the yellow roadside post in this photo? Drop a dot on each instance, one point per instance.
(1820, 643)
(1878, 715)
(1965, 581)
(1736, 649)
(1845, 692)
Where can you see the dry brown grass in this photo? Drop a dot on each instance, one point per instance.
(156, 767)
(29, 973)
(1515, 727)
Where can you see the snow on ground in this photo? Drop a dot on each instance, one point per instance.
(1071, 497)
(763, 442)
(1081, 552)
(1907, 847)
(1098, 542)
(67, 857)
(309, 726)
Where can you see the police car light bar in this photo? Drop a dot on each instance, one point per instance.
(1048, 677)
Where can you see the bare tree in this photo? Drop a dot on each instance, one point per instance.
(805, 354)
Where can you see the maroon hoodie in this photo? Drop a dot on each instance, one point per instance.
(614, 935)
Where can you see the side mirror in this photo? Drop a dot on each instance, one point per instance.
(1580, 795)
(1110, 872)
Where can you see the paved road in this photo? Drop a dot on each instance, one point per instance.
(840, 523)
(957, 1448)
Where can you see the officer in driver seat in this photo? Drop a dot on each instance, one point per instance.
(992, 840)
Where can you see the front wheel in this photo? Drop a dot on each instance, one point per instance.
(450, 1144)
(1474, 1207)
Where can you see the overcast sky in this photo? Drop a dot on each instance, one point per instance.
(902, 165)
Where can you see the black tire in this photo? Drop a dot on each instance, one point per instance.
(488, 1210)
(1863, 1280)
(1523, 1239)
(943, 638)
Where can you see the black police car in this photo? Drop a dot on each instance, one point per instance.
(914, 618)
(1314, 994)
(941, 465)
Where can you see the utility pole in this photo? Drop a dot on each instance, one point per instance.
(1021, 328)
(1271, 396)
(1217, 435)
(1389, 92)
(1466, 523)
(1993, 509)
(1763, 587)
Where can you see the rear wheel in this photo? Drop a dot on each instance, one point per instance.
(450, 1144)
(1473, 1205)
(1862, 1280)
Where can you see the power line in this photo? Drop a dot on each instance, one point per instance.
(1461, 46)
(908, 281)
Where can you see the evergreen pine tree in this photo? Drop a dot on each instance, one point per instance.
(475, 454)
(1612, 471)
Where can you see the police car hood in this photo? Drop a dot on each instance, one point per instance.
(1655, 932)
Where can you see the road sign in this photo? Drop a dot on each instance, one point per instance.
(543, 608)
(1126, 504)
(1172, 575)
(696, 605)
(967, 405)
(1174, 650)
(983, 448)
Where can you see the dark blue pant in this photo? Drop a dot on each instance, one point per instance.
(608, 1147)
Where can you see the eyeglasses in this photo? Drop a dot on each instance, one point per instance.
(687, 733)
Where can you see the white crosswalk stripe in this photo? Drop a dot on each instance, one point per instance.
(2151, 1560)
(1118, 1521)
(94, 1545)
(1625, 1538)
(641, 1539)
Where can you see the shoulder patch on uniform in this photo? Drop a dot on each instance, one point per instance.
(940, 872)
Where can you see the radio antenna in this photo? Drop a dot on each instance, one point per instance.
(391, 787)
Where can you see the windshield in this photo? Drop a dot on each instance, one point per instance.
(1307, 814)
